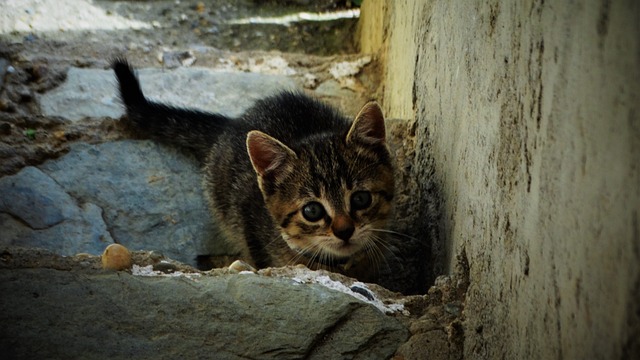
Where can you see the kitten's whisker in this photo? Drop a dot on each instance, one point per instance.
(322, 258)
(381, 242)
(387, 249)
(393, 233)
(311, 259)
(313, 249)
(373, 254)
(274, 239)
(318, 256)
(377, 253)
(297, 258)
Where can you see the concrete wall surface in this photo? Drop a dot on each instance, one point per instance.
(529, 111)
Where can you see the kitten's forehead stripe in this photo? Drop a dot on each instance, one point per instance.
(327, 168)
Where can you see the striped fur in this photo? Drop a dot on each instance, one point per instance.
(262, 170)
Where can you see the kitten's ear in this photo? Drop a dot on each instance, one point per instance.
(267, 154)
(368, 125)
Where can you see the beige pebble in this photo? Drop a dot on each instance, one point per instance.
(116, 257)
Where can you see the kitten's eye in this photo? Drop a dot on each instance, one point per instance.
(360, 200)
(313, 211)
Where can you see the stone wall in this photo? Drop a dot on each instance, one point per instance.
(528, 112)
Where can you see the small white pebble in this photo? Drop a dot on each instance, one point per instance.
(239, 266)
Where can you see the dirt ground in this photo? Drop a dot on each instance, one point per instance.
(34, 62)
(178, 33)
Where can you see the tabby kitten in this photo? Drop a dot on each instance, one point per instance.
(290, 181)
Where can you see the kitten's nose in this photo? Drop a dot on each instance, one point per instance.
(342, 227)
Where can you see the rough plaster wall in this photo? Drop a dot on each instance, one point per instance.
(417, 204)
(530, 113)
(372, 18)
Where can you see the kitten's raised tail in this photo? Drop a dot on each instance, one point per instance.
(130, 91)
(184, 127)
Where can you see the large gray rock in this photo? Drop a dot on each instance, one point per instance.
(93, 93)
(49, 313)
(37, 211)
(137, 193)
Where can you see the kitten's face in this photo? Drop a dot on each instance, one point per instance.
(334, 201)
(331, 195)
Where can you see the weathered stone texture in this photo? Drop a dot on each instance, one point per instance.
(137, 193)
(90, 314)
(529, 112)
(91, 93)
